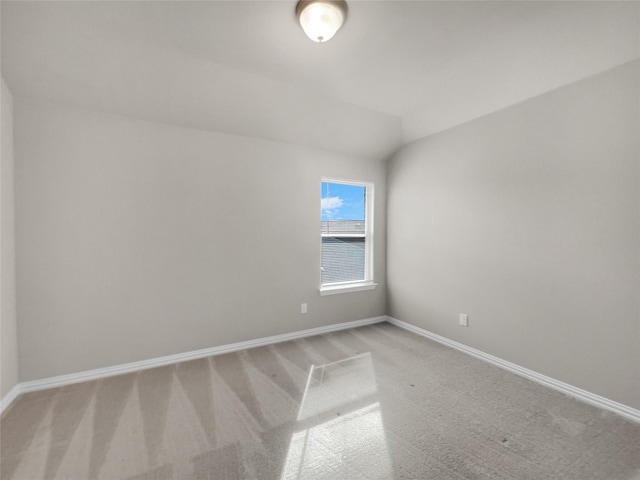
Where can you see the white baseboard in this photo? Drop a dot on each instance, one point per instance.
(10, 397)
(575, 392)
(58, 381)
(87, 375)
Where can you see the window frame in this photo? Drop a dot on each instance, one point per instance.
(353, 285)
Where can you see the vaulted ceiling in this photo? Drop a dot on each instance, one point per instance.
(395, 72)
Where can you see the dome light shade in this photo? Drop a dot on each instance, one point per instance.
(321, 19)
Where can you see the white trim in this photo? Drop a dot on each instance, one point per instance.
(343, 235)
(334, 289)
(583, 395)
(87, 375)
(575, 392)
(10, 397)
(368, 230)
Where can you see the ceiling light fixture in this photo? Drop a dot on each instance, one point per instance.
(321, 19)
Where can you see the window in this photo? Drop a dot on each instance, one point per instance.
(347, 236)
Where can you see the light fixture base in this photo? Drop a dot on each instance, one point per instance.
(321, 19)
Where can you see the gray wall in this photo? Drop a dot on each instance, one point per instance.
(8, 340)
(528, 220)
(140, 239)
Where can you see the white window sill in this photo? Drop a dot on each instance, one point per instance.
(346, 288)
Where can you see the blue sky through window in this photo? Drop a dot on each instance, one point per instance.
(342, 202)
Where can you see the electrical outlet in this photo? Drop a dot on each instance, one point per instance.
(303, 308)
(464, 319)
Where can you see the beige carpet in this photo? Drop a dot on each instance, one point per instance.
(370, 403)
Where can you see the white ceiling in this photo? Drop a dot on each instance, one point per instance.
(397, 71)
